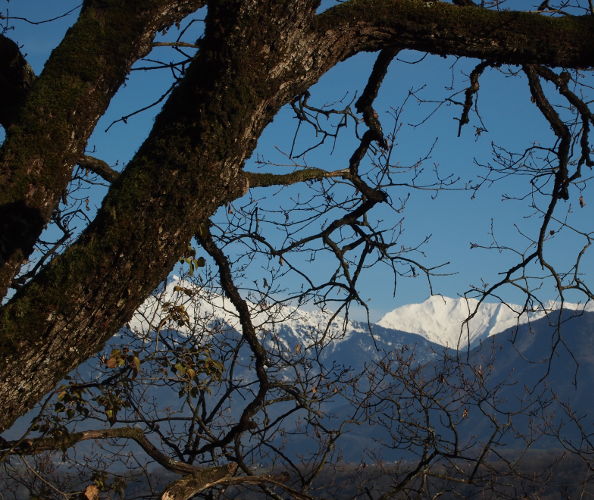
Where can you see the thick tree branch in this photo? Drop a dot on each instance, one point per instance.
(507, 37)
(186, 169)
(99, 167)
(38, 445)
(61, 110)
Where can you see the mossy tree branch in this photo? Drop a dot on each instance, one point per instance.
(306, 174)
(508, 37)
(185, 170)
(99, 167)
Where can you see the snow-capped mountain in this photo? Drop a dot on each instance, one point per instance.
(413, 337)
(444, 320)
(184, 307)
(440, 320)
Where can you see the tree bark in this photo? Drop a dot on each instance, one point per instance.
(189, 165)
(254, 58)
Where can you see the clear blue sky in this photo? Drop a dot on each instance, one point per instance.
(453, 219)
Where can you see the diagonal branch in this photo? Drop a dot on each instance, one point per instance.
(38, 445)
(559, 128)
(189, 166)
(470, 92)
(587, 116)
(365, 103)
(99, 167)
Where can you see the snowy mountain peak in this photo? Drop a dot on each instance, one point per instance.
(186, 307)
(443, 320)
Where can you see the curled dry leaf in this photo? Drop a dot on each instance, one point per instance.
(91, 492)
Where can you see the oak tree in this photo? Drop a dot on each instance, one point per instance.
(255, 57)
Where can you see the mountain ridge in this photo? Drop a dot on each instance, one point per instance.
(440, 319)
(443, 320)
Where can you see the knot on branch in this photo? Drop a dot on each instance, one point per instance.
(376, 195)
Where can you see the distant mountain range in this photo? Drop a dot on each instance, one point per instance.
(439, 319)
(506, 365)
(507, 360)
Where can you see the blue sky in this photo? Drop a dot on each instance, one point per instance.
(454, 219)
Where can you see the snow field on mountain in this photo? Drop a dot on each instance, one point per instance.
(196, 308)
(439, 319)
(444, 320)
